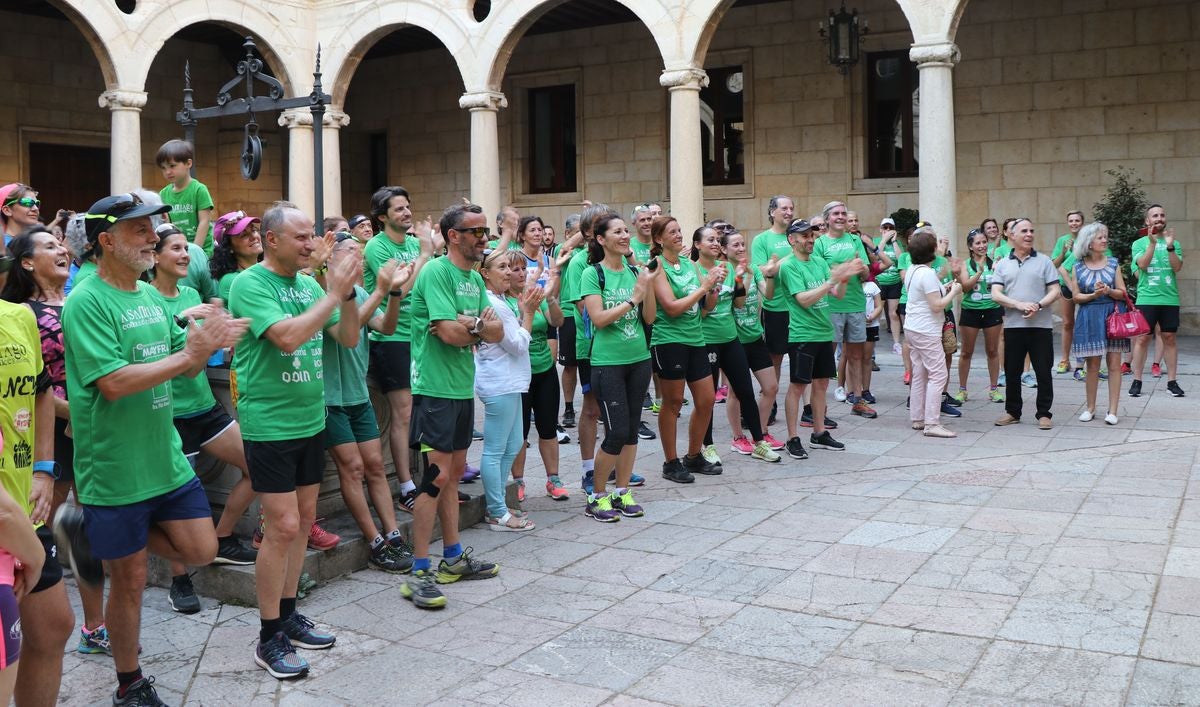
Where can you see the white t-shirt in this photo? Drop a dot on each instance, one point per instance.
(871, 290)
(922, 280)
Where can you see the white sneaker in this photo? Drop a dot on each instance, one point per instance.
(1110, 419)
(896, 349)
(840, 394)
(1086, 416)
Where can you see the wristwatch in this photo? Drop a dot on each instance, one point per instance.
(476, 328)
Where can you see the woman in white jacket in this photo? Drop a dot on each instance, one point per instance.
(501, 375)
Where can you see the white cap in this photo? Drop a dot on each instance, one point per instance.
(888, 222)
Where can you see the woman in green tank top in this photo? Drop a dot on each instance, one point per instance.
(979, 312)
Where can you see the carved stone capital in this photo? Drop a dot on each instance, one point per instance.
(296, 118)
(687, 78)
(483, 100)
(121, 99)
(940, 54)
(333, 118)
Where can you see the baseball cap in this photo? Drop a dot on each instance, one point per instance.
(888, 222)
(231, 224)
(356, 220)
(799, 226)
(119, 207)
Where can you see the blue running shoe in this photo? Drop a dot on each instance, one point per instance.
(278, 657)
(94, 641)
(586, 484)
(635, 480)
(305, 634)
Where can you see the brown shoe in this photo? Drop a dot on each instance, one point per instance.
(1044, 423)
(1007, 419)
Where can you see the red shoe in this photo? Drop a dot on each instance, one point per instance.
(722, 393)
(1156, 371)
(741, 445)
(321, 539)
(775, 444)
(1125, 369)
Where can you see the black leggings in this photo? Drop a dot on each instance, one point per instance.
(730, 357)
(620, 391)
(542, 400)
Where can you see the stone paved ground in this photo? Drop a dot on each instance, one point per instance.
(1009, 565)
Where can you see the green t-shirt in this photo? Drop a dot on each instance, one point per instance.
(684, 279)
(20, 365)
(189, 394)
(199, 277)
(980, 297)
(443, 291)
(763, 246)
(936, 265)
(346, 369)
(623, 341)
(280, 395)
(540, 359)
(835, 251)
(186, 205)
(569, 294)
(126, 450)
(1158, 284)
(806, 325)
(1064, 243)
(225, 284)
(891, 276)
(747, 318)
(718, 323)
(641, 251)
(999, 250)
(378, 251)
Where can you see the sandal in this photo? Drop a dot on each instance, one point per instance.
(510, 524)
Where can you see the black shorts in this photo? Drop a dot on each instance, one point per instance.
(873, 333)
(775, 326)
(982, 318)
(441, 424)
(887, 292)
(52, 571)
(1165, 316)
(551, 333)
(674, 362)
(566, 344)
(390, 363)
(198, 430)
(757, 354)
(901, 308)
(810, 361)
(280, 466)
(64, 451)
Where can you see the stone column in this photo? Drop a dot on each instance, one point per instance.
(485, 148)
(125, 171)
(938, 181)
(687, 176)
(298, 122)
(332, 125)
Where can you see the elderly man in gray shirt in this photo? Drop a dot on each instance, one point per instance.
(1025, 284)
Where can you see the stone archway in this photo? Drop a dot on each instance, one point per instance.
(95, 21)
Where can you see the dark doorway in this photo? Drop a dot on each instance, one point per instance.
(68, 176)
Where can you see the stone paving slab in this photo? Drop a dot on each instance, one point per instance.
(1008, 566)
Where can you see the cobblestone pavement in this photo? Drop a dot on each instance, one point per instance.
(1009, 565)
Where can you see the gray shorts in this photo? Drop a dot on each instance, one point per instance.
(849, 327)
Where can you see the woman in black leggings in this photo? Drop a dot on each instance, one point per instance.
(725, 352)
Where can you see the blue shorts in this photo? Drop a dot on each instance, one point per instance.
(120, 531)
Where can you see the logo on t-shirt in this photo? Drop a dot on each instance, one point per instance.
(160, 395)
(22, 454)
(142, 315)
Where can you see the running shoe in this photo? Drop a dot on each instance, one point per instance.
(386, 559)
(795, 449)
(1079, 375)
(709, 452)
(867, 396)
(896, 349)
(699, 465)
(851, 398)
(741, 445)
(947, 398)
(625, 505)
(568, 418)
(644, 432)
(686, 402)
(422, 590)
(634, 479)
(259, 530)
(839, 394)
(71, 538)
(807, 421)
(1063, 366)
(648, 402)
(587, 483)
(520, 490)
(961, 396)
(601, 508)
(826, 441)
(1002, 380)
(763, 452)
(655, 407)
(1135, 389)
(1156, 370)
(231, 551)
(675, 471)
(1174, 389)
(1103, 374)
(279, 658)
(1028, 380)
(470, 473)
(774, 411)
(1125, 369)
(949, 410)
(556, 490)
(721, 394)
(407, 500)
(874, 365)
(863, 410)
(465, 567)
(303, 633)
(321, 539)
(995, 394)
(908, 378)
(94, 642)
(563, 437)
(775, 444)
(182, 596)
(476, 435)
(139, 694)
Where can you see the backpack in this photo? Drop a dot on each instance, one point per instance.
(588, 331)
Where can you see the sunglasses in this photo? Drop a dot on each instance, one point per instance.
(27, 201)
(479, 232)
(126, 204)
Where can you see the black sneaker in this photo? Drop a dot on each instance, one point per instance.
(771, 417)
(303, 633)
(406, 501)
(231, 551)
(950, 399)
(795, 449)
(868, 397)
(648, 403)
(183, 595)
(568, 418)
(807, 421)
(1135, 389)
(675, 471)
(697, 464)
(139, 694)
(826, 441)
(645, 432)
(401, 549)
(386, 559)
(949, 410)
(70, 537)
(1174, 388)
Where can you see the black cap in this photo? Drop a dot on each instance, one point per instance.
(799, 226)
(356, 220)
(120, 207)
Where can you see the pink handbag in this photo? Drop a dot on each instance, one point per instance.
(1127, 324)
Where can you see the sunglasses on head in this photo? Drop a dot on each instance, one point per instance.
(125, 204)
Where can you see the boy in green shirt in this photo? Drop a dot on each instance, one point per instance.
(191, 205)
